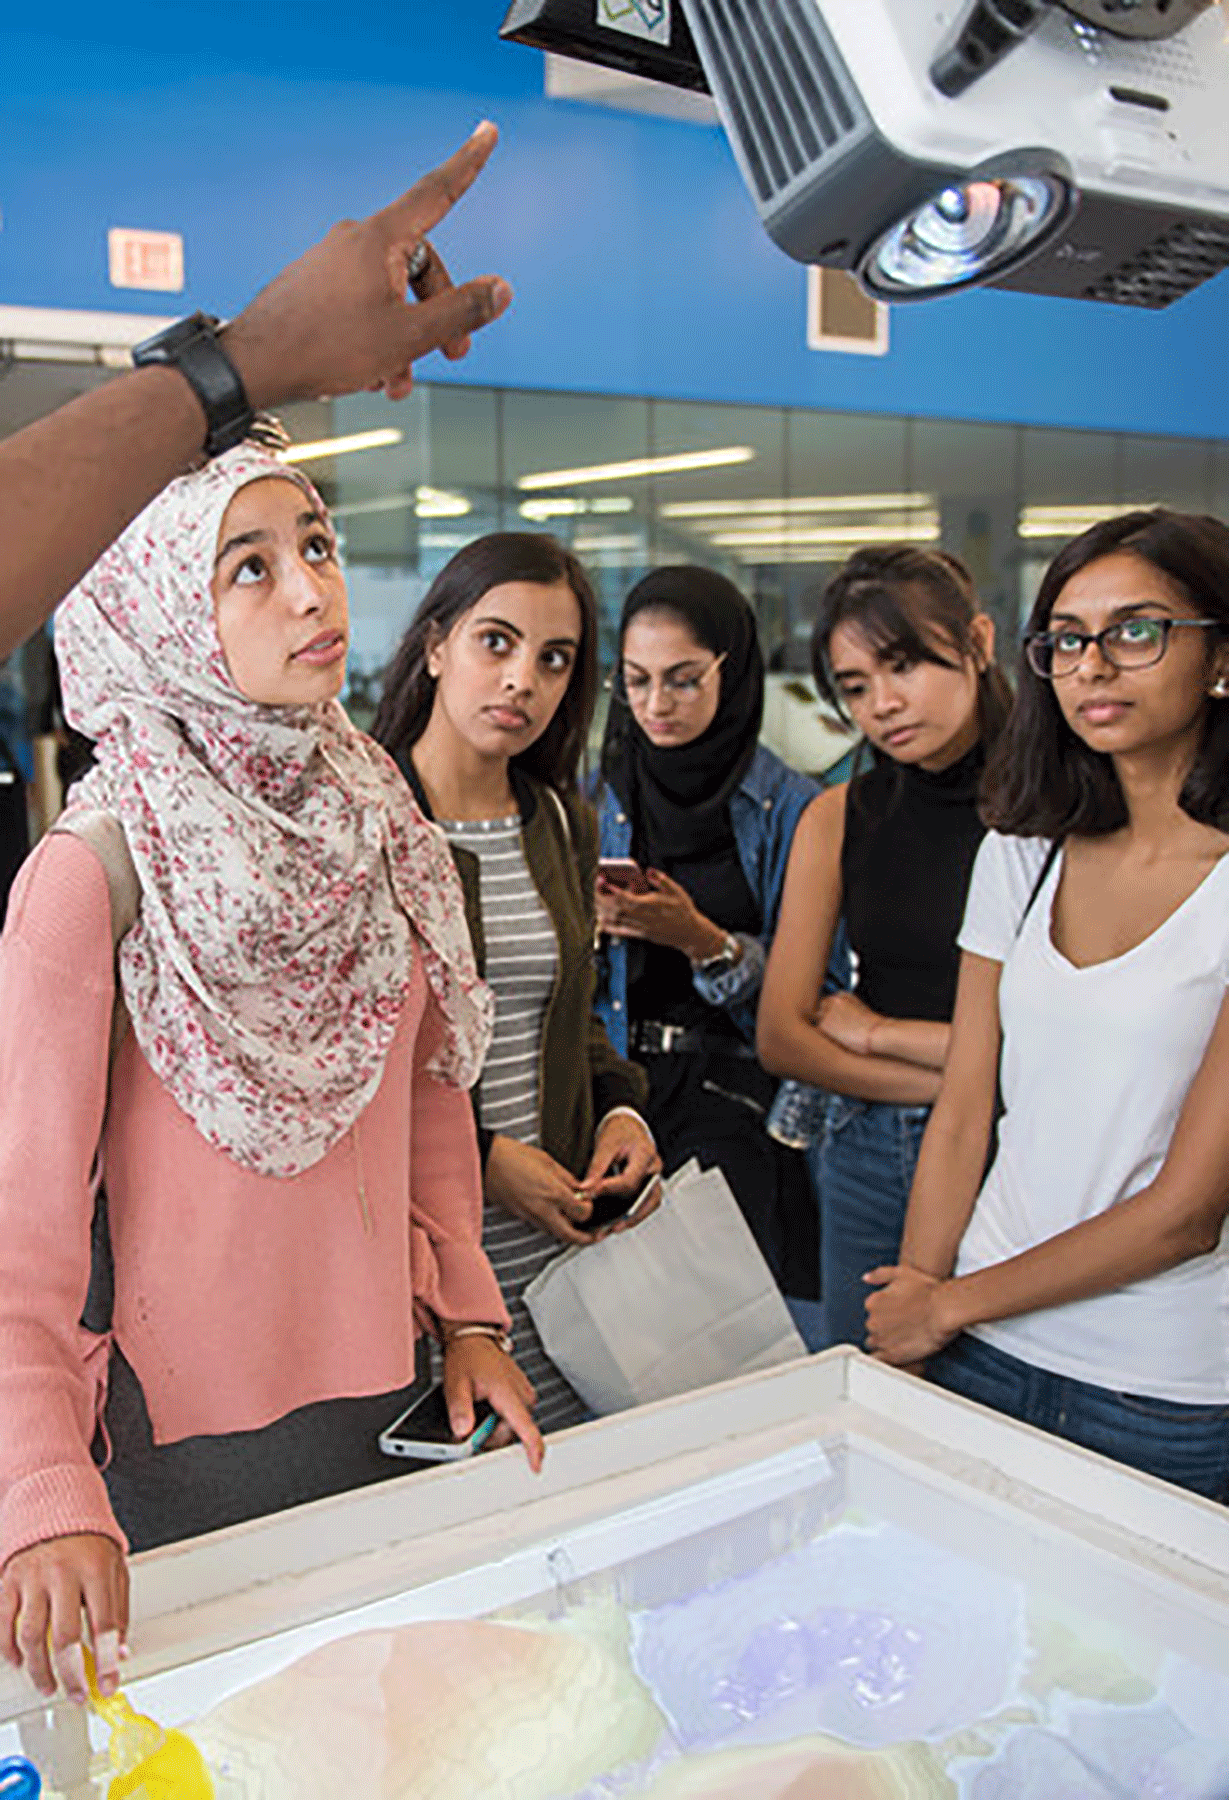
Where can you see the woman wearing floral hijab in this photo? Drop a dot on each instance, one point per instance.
(270, 1076)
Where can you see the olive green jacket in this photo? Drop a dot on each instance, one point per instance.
(581, 1076)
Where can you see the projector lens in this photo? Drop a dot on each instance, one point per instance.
(965, 233)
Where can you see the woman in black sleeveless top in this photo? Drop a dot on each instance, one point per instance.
(902, 650)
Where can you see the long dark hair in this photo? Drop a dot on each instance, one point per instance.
(489, 562)
(1043, 780)
(915, 604)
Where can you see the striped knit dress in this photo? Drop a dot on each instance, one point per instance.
(521, 960)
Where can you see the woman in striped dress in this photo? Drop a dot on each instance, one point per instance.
(486, 708)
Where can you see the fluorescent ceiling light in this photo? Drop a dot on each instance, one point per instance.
(820, 503)
(383, 503)
(1061, 521)
(917, 531)
(639, 466)
(592, 546)
(564, 506)
(426, 502)
(342, 446)
(887, 528)
(437, 503)
(814, 556)
(828, 556)
(444, 540)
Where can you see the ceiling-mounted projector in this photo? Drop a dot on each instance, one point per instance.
(1071, 147)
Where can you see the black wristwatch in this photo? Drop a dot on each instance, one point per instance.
(192, 347)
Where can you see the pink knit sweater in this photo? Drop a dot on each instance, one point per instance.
(239, 1297)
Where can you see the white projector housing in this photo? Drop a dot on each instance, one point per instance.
(1083, 164)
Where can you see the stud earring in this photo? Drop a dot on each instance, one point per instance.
(1221, 690)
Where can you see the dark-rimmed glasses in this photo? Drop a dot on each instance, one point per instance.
(1127, 644)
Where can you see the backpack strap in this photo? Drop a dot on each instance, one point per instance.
(104, 834)
(1050, 859)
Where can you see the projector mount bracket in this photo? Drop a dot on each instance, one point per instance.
(993, 28)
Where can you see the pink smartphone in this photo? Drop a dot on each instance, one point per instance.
(622, 872)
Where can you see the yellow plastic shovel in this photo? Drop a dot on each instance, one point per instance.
(149, 1763)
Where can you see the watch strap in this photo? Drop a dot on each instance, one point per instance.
(192, 346)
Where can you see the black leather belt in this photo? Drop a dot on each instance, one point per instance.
(652, 1037)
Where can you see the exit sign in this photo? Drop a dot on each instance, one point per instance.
(152, 260)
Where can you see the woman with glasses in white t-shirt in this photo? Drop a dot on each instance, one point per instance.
(1083, 1285)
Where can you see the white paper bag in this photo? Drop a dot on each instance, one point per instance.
(684, 1300)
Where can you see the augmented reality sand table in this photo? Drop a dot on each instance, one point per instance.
(866, 1665)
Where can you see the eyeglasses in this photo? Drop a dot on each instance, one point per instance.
(682, 688)
(1128, 644)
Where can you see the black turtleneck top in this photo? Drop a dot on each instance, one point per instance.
(910, 842)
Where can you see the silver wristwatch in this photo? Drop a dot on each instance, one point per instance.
(725, 958)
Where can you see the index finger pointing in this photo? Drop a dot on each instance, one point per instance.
(426, 203)
(459, 1400)
(521, 1421)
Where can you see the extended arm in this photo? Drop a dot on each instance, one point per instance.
(454, 1284)
(61, 1551)
(452, 1277)
(1179, 1215)
(334, 322)
(788, 1039)
(952, 1160)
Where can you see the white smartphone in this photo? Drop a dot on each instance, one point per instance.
(424, 1430)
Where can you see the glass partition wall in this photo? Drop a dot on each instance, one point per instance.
(775, 497)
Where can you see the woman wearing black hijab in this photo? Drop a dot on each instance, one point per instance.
(709, 814)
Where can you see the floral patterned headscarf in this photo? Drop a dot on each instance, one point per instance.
(287, 876)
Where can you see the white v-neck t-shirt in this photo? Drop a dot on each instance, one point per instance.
(1096, 1066)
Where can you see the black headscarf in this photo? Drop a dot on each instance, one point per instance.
(678, 798)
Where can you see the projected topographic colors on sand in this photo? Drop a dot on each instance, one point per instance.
(866, 1665)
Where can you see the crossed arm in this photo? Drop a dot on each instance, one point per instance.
(837, 1043)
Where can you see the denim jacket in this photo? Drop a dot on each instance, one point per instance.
(764, 812)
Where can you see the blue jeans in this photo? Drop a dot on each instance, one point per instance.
(863, 1167)
(808, 1317)
(1188, 1445)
